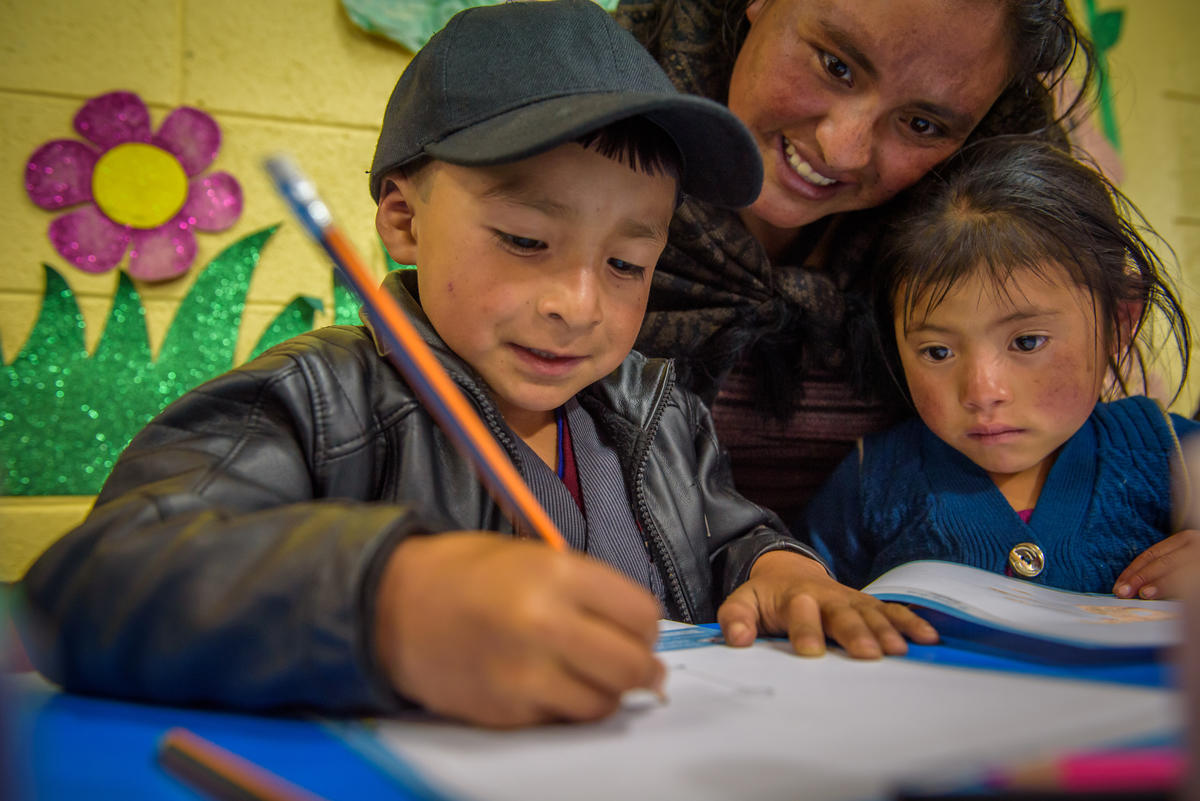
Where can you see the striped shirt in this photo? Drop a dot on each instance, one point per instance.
(605, 528)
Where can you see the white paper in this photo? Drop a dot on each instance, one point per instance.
(1017, 605)
(762, 723)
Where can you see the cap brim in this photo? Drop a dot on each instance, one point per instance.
(721, 161)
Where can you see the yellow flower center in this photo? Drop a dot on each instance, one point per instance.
(140, 185)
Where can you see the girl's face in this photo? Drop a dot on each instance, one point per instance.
(853, 100)
(1005, 374)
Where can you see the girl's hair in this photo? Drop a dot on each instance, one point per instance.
(1017, 203)
(1044, 41)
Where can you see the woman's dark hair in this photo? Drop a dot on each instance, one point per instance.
(1018, 203)
(1045, 44)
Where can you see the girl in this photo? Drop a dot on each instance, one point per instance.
(1013, 291)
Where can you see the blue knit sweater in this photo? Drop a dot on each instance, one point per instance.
(906, 495)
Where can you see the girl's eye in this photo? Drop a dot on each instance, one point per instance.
(936, 353)
(1028, 343)
(625, 268)
(838, 70)
(522, 243)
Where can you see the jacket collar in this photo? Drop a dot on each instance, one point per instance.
(402, 285)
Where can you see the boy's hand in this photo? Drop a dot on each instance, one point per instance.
(502, 632)
(1162, 570)
(788, 593)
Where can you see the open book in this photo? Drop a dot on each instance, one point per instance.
(1010, 615)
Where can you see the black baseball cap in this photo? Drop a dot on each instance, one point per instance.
(506, 82)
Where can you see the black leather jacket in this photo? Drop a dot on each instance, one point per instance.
(234, 553)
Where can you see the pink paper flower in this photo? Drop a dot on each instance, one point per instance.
(135, 190)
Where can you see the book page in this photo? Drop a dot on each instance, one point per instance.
(762, 723)
(1018, 605)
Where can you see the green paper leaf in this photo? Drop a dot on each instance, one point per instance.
(65, 416)
(346, 303)
(408, 22)
(125, 339)
(57, 335)
(296, 318)
(123, 360)
(412, 22)
(1106, 29)
(43, 377)
(201, 340)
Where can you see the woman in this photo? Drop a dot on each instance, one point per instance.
(851, 101)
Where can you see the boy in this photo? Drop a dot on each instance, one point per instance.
(262, 542)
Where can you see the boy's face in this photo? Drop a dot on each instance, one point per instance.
(1005, 375)
(536, 273)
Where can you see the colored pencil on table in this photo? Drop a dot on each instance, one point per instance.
(220, 774)
(415, 361)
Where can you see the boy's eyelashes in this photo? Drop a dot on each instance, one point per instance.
(627, 268)
(528, 245)
(523, 244)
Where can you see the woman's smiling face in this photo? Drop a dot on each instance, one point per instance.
(851, 101)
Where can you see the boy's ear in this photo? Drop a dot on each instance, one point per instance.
(394, 218)
(754, 9)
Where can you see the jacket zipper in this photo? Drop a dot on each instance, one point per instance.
(645, 520)
(483, 405)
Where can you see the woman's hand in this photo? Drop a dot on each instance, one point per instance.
(503, 633)
(788, 593)
(1162, 570)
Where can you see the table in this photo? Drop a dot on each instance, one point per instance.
(65, 746)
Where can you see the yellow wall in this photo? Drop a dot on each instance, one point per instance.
(293, 74)
(1155, 74)
(296, 74)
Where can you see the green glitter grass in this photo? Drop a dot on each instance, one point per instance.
(65, 416)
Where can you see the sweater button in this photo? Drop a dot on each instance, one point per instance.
(1026, 559)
